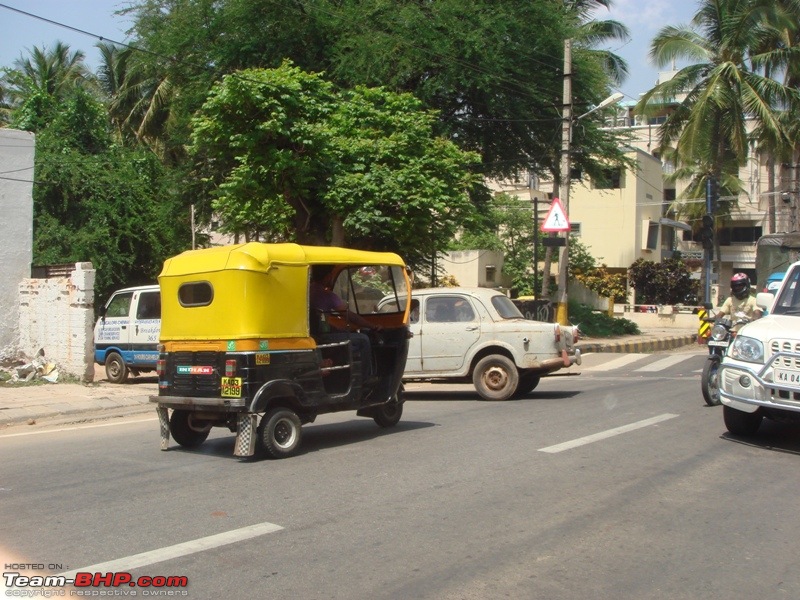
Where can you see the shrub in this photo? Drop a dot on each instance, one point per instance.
(598, 324)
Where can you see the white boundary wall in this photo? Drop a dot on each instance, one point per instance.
(16, 228)
(56, 315)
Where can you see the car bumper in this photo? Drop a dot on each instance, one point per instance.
(566, 360)
(747, 386)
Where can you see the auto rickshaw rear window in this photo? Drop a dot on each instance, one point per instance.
(196, 293)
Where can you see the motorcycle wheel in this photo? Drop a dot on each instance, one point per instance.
(709, 380)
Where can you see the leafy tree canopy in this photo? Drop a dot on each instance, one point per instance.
(293, 158)
(95, 201)
(493, 69)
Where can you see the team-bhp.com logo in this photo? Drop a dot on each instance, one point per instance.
(93, 584)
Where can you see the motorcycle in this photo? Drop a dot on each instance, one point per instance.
(721, 337)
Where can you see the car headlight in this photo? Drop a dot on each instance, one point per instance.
(747, 349)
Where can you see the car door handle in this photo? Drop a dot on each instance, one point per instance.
(472, 327)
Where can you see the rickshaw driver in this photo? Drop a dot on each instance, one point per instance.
(323, 299)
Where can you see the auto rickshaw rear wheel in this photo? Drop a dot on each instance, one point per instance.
(187, 431)
(279, 433)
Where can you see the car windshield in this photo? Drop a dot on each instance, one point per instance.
(788, 302)
(506, 308)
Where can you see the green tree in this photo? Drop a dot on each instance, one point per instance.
(491, 69)
(37, 84)
(292, 158)
(96, 201)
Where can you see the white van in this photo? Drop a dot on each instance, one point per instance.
(126, 334)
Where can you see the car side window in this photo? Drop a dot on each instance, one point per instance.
(414, 316)
(448, 309)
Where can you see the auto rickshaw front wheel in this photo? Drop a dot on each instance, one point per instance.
(185, 430)
(388, 415)
(279, 433)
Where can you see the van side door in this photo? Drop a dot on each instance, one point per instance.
(145, 326)
(113, 328)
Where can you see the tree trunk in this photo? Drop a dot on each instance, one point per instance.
(772, 225)
(337, 231)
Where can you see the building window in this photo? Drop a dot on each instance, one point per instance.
(611, 179)
(490, 273)
(575, 229)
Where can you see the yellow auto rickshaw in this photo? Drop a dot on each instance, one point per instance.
(244, 346)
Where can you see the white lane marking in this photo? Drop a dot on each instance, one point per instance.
(663, 363)
(191, 547)
(589, 439)
(10, 435)
(617, 362)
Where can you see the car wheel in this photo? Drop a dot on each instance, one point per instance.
(185, 430)
(741, 423)
(495, 377)
(527, 383)
(279, 433)
(709, 381)
(116, 369)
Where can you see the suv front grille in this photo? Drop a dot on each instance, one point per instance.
(786, 362)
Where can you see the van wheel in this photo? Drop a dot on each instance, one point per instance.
(185, 430)
(389, 414)
(116, 369)
(279, 433)
(741, 423)
(495, 377)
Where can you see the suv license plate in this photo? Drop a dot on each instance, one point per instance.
(783, 376)
(231, 387)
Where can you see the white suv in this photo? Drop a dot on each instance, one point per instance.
(760, 374)
(478, 335)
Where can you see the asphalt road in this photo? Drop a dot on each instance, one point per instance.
(617, 483)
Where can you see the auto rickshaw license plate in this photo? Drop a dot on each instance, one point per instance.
(231, 387)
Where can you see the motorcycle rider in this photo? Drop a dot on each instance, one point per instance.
(740, 303)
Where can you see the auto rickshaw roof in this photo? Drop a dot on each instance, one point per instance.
(259, 256)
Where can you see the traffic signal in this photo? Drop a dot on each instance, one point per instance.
(707, 232)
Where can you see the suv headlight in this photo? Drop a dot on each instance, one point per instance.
(747, 349)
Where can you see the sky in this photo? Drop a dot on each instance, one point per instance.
(19, 33)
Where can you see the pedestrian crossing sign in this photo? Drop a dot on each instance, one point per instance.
(556, 219)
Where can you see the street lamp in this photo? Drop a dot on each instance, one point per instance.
(566, 141)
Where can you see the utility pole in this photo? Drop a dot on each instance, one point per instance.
(566, 139)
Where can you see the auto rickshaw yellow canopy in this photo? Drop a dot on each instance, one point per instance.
(257, 290)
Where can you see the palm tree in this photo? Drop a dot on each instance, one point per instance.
(41, 82)
(138, 99)
(52, 72)
(723, 89)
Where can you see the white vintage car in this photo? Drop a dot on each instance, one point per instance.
(479, 335)
(760, 374)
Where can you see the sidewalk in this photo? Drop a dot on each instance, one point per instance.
(54, 403)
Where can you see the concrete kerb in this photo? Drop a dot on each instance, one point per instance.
(638, 343)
